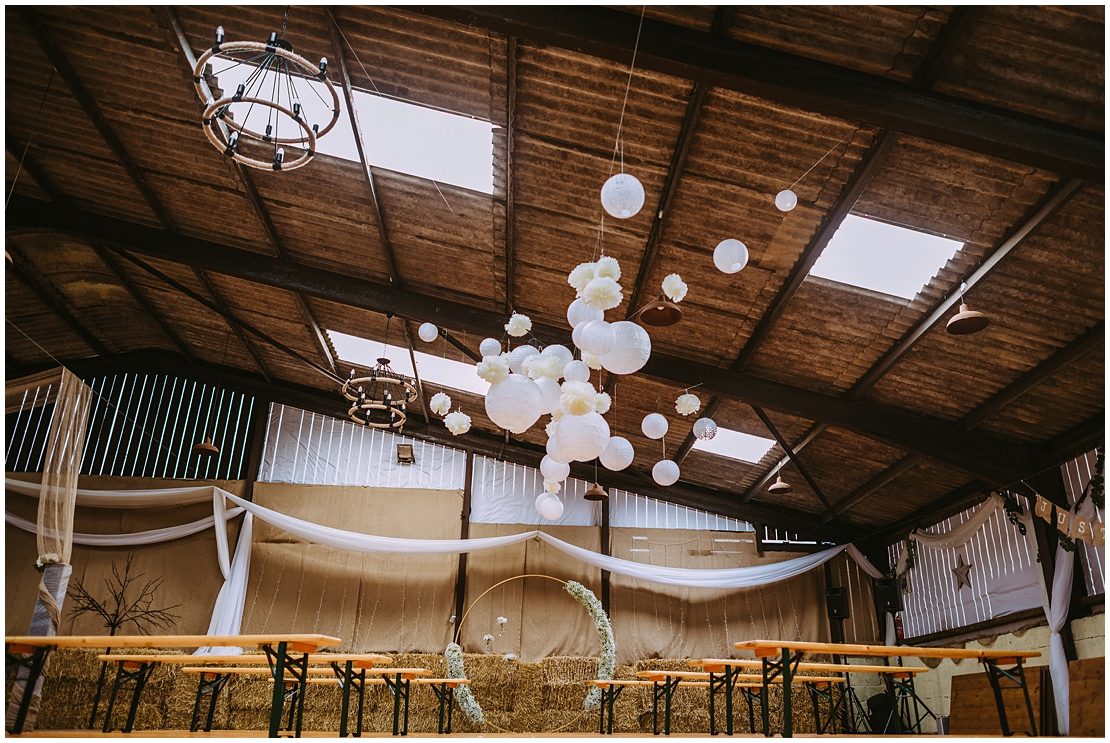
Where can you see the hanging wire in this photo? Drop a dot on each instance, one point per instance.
(627, 88)
(27, 146)
(285, 21)
(795, 183)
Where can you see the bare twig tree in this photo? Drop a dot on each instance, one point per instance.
(118, 609)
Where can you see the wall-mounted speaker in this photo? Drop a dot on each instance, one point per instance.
(888, 594)
(836, 600)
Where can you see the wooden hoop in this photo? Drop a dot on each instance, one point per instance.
(212, 127)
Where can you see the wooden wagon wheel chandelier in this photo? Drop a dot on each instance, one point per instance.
(380, 399)
(268, 102)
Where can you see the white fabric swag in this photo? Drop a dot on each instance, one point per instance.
(131, 539)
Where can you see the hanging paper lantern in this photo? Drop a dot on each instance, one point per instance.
(553, 448)
(596, 336)
(730, 256)
(560, 352)
(786, 200)
(654, 426)
(518, 355)
(514, 404)
(705, 429)
(580, 438)
(576, 371)
(617, 454)
(631, 348)
(490, 347)
(551, 392)
(549, 506)
(576, 334)
(622, 196)
(428, 332)
(578, 313)
(665, 472)
(552, 470)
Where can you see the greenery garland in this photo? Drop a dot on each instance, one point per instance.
(608, 643)
(463, 695)
(1014, 512)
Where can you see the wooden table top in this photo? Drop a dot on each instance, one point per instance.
(638, 682)
(719, 664)
(298, 643)
(741, 678)
(772, 647)
(356, 658)
(408, 673)
(248, 671)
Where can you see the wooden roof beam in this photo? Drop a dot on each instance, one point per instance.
(510, 180)
(829, 514)
(19, 150)
(790, 79)
(53, 304)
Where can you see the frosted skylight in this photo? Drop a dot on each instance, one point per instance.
(883, 257)
(364, 353)
(736, 445)
(398, 136)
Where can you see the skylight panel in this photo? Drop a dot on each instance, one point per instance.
(883, 257)
(735, 445)
(364, 353)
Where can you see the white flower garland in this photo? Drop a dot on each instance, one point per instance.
(467, 703)
(605, 637)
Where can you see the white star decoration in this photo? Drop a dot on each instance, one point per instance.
(961, 571)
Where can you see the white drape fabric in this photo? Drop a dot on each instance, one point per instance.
(227, 614)
(123, 498)
(955, 538)
(131, 539)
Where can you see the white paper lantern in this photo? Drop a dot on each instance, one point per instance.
(580, 438)
(622, 196)
(551, 392)
(553, 447)
(576, 334)
(705, 429)
(618, 454)
(552, 470)
(665, 472)
(730, 256)
(549, 506)
(428, 332)
(631, 349)
(654, 426)
(518, 355)
(597, 337)
(514, 404)
(490, 347)
(576, 371)
(561, 352)
(786, 200)
(578, 313)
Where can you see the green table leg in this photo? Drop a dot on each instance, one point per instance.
(277, 704)
(397, 705)
(787, 683)
(763, 699)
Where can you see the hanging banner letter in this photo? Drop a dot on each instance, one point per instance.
(1044, 509)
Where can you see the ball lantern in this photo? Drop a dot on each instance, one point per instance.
(631, 349)
(705, 429)
(730, 256)
(514, 404)
(518, 355)
(578, 313)
(622, 196)
(576, 371)
(665, 472)
(786, 200)
(618, 454)
(552, 470)
(597, 337)
(490, 347)
(553, 448)
(549, 506)
(654, 426)
(580, 438)
(551, 392)
(560, 352)
(428, 332)
(576, 334)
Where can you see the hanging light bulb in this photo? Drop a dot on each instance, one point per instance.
(278, 157)
(323, 66)
(779, 486)
(967, 320)
(219, 35)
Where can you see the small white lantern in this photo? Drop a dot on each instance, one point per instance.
(597, 337)
(705, 429)
(618, 454)
(518, 355)
(552, 447)
(552, 470)
(490, 347)
(560, 352)
(665, 472)
(549, 506)
(428, 332)
(654, 426)
(514, 404)
(576, 371)
(622, 196)
(576, 334)
(580, 438)
(786, 200)
(730, 256)
(631, 349)
(578, 313)
(551, 392)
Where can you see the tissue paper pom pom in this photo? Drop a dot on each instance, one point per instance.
(674, 287)
(687, 404)
(457, 423)
(543, 365)
(608, 266)
(550, 428)
(582, 274)
(558, 413)
(551, 486)
(493, 369)
(591, 360)
(603, 403)
(440, 403)
(578, 398)
(602, 294)
(518, 325)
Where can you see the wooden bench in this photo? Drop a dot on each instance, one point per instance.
(441, 687)
(30, 653)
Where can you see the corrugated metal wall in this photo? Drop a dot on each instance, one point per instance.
(1077, 473)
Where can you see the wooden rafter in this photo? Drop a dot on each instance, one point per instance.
(416, 370)
(807, 438)
(829, 513)
(53, 304)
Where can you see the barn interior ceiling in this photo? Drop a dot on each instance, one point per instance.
(133, 241)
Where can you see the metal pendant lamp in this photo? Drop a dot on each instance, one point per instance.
(596, 493)
(779, 486)
(967, 320)
(206, 448)
(661, 313)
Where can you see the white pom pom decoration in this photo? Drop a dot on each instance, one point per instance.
(631, 349)
(518, 355)
(674, 287)
(578, 398)
(596, 336)
(582, 274)
(786, 200)
(440, 403)
(580, 438)
(654, 426)
(552, 470)
(602, 294)
(551, 391)
(543, 365)
(576, 371)
(457, 423)
(604, 402)
(493, 369)
(607, 265)
(514, 404)
(665, 472)
(551, 486)
(618, 454)
(518, 325)
(730, 256)
(490, 347)
(687, 404)
(428, 332)
(705, 429)
(578, 312)
(591, 360)
(549, 506)
(622, 196)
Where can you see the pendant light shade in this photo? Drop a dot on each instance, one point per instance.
(780, 486)
(596, 493)
(661, 313)
(967, 321)
(206, 449)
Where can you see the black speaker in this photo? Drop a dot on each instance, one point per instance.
(836, 600)
(888, 594)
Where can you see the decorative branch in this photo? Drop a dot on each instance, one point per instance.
(117, 610)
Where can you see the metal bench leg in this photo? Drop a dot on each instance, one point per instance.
(763, 699)
(345, 703)
(396, 686)
(712, 721)
(670, 687)
(112, 698)
(655, 708)
(361, 699)
(217, 687)
(1028, 701)
(729, 689)
(140, 681)
(99, 691)
(277, 703)
(601, 715)
(441, 692)
(407, 689)
(34, 667)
